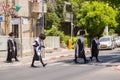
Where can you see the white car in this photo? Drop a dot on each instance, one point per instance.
(107, 42)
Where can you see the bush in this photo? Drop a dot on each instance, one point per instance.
(55, 32)
(74, 39)
(63, 38)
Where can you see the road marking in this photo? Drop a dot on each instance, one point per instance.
(53, 64)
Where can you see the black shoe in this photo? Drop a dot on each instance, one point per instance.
(86, 61)
(44, 64)
(17, 60)
(33, 66)
(9, 61)
(97, 61)
(76, 61)
(91, 58)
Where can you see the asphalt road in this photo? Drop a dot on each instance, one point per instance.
(67, 70)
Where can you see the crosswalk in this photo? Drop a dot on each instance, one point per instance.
(61, 64)
(71, 63)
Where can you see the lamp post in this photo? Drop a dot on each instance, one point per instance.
(69, 17)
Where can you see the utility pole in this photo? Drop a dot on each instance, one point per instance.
(42, 16)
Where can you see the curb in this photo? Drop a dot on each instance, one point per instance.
(117, 68)
(61, 57)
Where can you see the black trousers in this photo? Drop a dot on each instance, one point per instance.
(39, 58)
(94, 53)
(80, 56)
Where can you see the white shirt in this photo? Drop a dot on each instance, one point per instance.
(82, 39)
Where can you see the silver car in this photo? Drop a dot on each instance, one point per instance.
(117, 40)
(107, 42)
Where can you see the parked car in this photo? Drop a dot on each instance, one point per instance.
(117, 40)
(107, 42)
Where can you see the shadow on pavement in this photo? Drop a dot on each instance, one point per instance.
(105, 60)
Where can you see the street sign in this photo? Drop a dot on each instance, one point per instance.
(1, 18)
(18, 8)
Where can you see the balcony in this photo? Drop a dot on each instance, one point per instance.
(37, 7)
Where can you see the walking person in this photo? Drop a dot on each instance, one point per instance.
(95, 48)
(38, 46)
(11, 48)
(79, 50)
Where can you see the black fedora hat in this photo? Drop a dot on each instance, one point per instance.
(82, 32)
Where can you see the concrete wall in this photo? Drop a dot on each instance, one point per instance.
(51, 42)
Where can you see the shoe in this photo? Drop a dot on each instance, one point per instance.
(44, 64)
(9, 61)
(33, 66)
(17, 60)
(76, 61)
(97, 61)
(91, 58)
(86, 61)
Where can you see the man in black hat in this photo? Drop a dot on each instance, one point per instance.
(94, 48)
(11, 48)
(38, 45)
(79, 50)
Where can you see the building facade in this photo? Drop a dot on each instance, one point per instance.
(17, 16)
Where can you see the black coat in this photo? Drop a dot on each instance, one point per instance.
(94, 49)
(79, 50)
(35, 57)
(37, 45)
(11, 53)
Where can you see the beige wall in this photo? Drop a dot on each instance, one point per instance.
(26, 29)
(24, 11)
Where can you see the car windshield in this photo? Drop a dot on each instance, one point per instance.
(104, 39)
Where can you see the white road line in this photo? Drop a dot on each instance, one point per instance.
(53, 64)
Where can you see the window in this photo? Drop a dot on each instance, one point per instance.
(15, 29)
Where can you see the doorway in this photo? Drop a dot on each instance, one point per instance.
(15, 29)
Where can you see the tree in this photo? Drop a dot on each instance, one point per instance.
(95, 16)
(54, 13)
(76, 5)
(116, 5)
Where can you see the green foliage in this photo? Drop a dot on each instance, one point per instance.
(54, 13)
(76, 5)
(117, 30)
(112, 31)
(63, 38)
(66, 39)
(116, 5)
(55, 32)
(95, 16)
(51, 19)
(74, 39)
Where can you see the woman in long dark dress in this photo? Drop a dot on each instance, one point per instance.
(11, 48)
(95, 48)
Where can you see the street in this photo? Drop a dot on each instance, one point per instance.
(66, 69)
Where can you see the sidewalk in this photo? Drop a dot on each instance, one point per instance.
(49, 57)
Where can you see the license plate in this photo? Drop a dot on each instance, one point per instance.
(103, 46)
